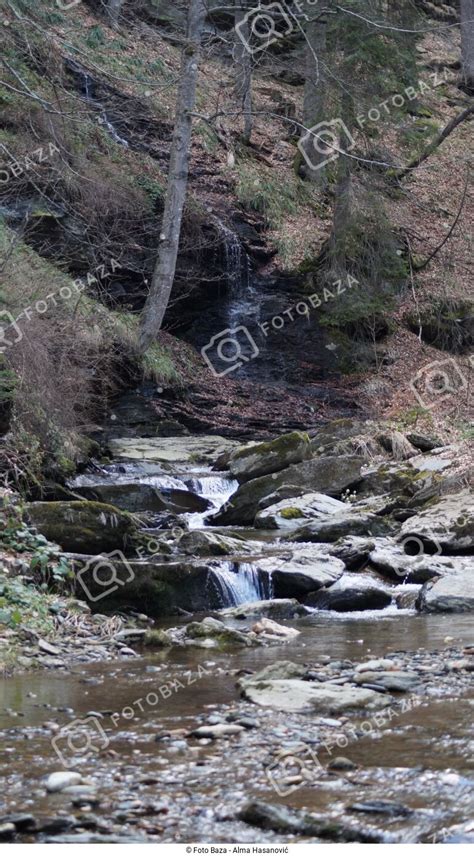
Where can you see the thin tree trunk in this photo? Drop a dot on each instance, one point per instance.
(113, 11)
(467, 42)
(440, 138)
(243, 80)
(314, 93)
(163, 276)
(342, 217)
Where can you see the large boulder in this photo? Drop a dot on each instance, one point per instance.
(84, 527)
(390, 559)
(170, 450)
(199, 542)
(330, 476)
(448, 525)
(295, 696)
(351, 521)
(154, 588)
(249, 462)
(291, 515)
(301, 570)
(453, 593)
(137, 496)
(351, 593)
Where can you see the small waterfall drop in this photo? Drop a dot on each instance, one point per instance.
(239, 582)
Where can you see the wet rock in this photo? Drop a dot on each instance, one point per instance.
(393, 560)
(249, 462)
(154, 587)
(137, 496)
(401, 682)
(342, 763)
(295, 696)
(291, 515)
(202, 449)
(268, 628)
(387, 807)
(423, 442)
(449, 524)
(301, 570)
(359, 519)
(286, 491)
(217, 731)
(280, 670)
(85, 527)
(280, 608)
(407, 599)
(350, 594)
(21, 822)
(58, 781)
(353, 551)
(7, 831)
(285, 820)
(375, 665)
(202, 543)
(329, 475)
(211, 628)
(454, 593)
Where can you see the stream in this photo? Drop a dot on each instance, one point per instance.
(146, 777)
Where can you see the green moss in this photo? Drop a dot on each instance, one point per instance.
(285, 443)
(156, 639)
(291, 513)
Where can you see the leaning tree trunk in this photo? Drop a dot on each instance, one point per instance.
(243, 78)
(314, 93)
(467, 42)
(163, 276)
(113, 11)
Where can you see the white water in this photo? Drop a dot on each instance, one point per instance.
(238, 583)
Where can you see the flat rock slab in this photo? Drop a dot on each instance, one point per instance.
(448, 525)
(293, 696)
(301, 570)
(395, 681)
(171, 449)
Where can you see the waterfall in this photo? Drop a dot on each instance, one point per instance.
(239, 582)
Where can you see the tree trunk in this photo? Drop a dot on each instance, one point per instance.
(314, 94)
(342, 218)
(467, 42)
(163, 276)
(113, 11)
(243, 81)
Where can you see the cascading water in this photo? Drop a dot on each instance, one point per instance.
(239, 582)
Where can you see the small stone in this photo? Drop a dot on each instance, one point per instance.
(342, 763)
(58, 781)
(216, 731)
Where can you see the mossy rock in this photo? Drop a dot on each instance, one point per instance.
(84, 527)
(249, 462)
(291, 513)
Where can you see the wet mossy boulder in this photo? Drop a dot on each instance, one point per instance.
(137, 496)
(249, 462)
(84, 527)
(330, 476)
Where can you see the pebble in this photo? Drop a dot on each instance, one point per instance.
(216, 731)
(58, 781)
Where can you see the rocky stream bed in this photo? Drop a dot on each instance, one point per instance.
(277, 645)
